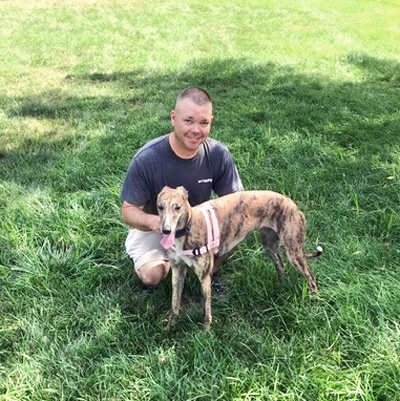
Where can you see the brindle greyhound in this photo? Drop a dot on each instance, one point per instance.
(185, 236)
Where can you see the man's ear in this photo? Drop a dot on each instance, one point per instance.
(173, 114)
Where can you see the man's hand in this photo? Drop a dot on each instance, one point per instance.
(154, 223)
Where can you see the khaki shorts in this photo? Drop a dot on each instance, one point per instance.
(143, 247)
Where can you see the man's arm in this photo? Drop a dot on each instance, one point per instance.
(135, 217)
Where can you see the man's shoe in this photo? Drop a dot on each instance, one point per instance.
(216, 286)
(149, 289)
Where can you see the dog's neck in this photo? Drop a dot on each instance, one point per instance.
(206, 213)
(186, 229)
(183, 231)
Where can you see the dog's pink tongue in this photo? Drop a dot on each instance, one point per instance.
(167, 240)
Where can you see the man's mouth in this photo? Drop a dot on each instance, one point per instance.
(193, 137)
(194, 141)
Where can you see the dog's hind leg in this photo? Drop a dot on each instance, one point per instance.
(178, 281)
(270, 241)
(298, 260)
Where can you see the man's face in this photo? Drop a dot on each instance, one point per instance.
(192, 124)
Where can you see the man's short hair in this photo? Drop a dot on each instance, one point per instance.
(197, 95)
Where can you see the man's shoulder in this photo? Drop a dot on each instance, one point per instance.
(215, 145)
(216, 148)
(153, 147)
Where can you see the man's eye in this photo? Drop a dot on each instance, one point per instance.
(204, 123)
(187, 121)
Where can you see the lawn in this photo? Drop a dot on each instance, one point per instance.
(306, 96)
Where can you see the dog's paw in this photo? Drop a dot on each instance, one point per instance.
(169, 324)
(206, 327)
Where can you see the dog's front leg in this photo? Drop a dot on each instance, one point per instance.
(206, 290)
(178, 281)
(204, 269)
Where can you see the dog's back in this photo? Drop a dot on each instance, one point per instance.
(241, 213)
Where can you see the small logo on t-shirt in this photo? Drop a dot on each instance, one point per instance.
(204, 181)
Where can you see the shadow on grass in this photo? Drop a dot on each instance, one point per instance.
(249, 101)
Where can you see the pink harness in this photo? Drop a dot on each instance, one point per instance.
(212, 233)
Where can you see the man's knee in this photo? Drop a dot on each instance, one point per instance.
(152, 273)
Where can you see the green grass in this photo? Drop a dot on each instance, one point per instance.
(306, 97)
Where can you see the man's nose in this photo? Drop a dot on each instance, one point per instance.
(195, 128)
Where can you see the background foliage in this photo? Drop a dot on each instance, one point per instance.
(306, 97)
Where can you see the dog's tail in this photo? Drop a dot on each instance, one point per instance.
(315, 254)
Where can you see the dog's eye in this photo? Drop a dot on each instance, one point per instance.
(177, 207)
(160, 207)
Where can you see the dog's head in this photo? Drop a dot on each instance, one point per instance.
(174, 209)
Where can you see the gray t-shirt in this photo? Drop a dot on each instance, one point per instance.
(155, 165)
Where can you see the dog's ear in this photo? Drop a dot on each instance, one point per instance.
(162, 191)
(184, 192)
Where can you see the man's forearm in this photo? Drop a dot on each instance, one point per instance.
(135, 217)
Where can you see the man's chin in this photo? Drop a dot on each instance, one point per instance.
(193, 143)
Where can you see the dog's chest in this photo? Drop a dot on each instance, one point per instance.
(177, 258)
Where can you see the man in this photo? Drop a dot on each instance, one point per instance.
(187, 157)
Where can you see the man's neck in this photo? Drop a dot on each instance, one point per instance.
(178, 150)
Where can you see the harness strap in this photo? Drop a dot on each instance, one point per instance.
(212, 233)
(215, 242)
